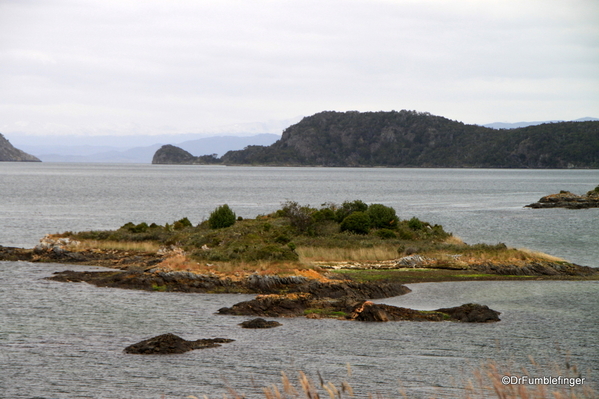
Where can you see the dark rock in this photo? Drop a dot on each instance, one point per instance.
(259, 323)
(291, 305)
(566, 199)
(472, 313)
(295, 305)
(369, 311)
(171, 344)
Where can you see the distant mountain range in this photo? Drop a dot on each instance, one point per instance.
(89, 153)
(141, 148)
(502, 125)
(413, 139)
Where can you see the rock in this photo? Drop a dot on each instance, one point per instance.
(369, 311)
(171, 344)
(566, 199)
(472, 313)
(273, 305)
(296, 305)
(260, 323)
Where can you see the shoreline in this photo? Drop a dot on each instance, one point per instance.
(344, 294)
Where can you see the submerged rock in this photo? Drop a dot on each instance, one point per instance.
(259, 323)
(171, 344)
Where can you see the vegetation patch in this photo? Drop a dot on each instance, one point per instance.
(299, 237)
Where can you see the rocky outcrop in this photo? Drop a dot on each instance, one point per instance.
(471, 313)
(566, 199)
(297, 305)
(8, 153)
(183, 281)
(260, 323)
(169, 154)
(536, 268)
(167, 344)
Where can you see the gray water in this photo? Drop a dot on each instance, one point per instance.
(61, 340)
(478, 205)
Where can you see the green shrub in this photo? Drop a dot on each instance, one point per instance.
(347, 208)
(222, 217)
(300, 217)
(181, 224)
(386, 234)
(140, 228)
(356, 222)
(382, 217)
(416, 224)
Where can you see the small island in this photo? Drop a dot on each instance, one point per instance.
(315, 262)
(566, 199)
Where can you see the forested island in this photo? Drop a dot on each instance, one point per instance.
(411, 139)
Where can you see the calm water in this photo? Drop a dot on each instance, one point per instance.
(65, 340)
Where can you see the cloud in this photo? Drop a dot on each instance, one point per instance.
(182, 66)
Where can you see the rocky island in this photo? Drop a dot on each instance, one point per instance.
(566, 199)
(302, 261)
(8, 153)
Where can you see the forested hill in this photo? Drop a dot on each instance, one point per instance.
(413, 139)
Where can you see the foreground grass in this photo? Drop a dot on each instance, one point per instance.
(487, 382)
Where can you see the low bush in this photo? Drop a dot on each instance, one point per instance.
(349, 207)
(356, 222)
(386, 234)
(382, 217)
(222, 217)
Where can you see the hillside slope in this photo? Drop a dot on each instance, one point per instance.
(413, 139)
(8, 153)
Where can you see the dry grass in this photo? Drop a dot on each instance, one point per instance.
(181, 262)
(487, 383)
(377, 253)
(141, 246)
(541, 255)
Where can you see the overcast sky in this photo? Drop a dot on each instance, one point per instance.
(155, 67)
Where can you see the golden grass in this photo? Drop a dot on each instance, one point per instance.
(180, 262)
(487, 383)
(141, 246)
(377, 253)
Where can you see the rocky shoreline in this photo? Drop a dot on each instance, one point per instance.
(324, 295)
(566, 199)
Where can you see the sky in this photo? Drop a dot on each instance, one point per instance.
(94, 68)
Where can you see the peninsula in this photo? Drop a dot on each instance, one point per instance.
(566, 199)
(8, 153)
(413, 139)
